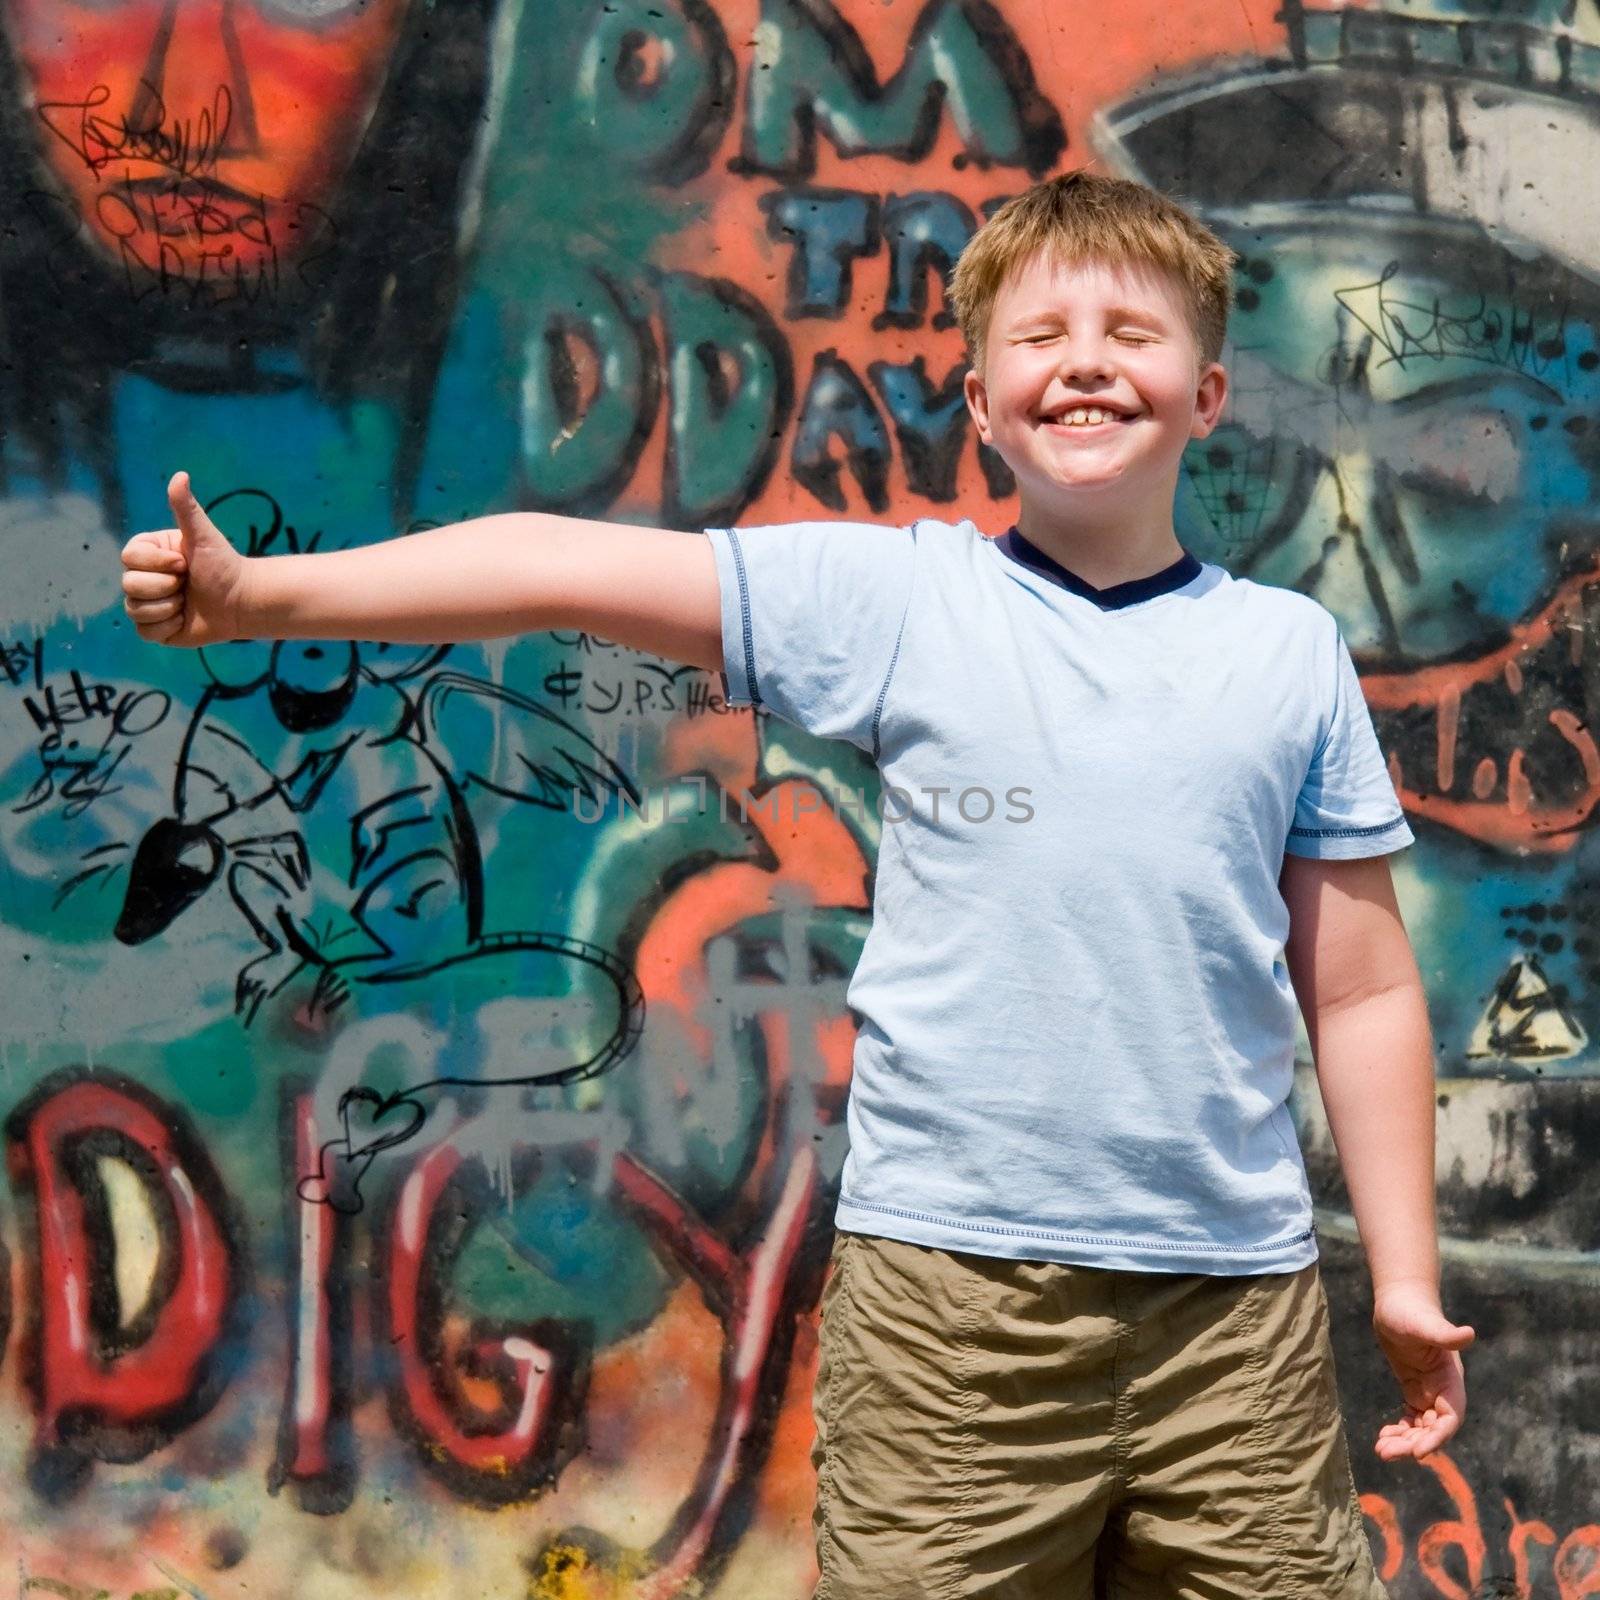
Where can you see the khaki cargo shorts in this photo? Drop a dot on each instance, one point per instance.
(1017, 1430)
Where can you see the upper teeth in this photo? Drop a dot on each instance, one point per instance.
(1086, 415)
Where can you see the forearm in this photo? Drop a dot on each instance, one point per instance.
(1375, 1067)
(655, 589)
(484, 579)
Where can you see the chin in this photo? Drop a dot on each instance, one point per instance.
(1090, 481)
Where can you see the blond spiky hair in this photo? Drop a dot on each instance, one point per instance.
(1080, 217)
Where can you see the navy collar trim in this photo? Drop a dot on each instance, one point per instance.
(1184, 570)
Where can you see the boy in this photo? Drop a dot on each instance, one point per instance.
(1074, 1340)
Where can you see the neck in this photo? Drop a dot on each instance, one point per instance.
(1103, 548)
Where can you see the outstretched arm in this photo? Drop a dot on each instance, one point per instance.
(1358, 986)
(489, 578)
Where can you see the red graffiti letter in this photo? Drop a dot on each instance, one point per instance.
(492, 1409)
(1521, 1533)
(1465, 1533)
(316, 1447)
(114, 1382)
(1578, 1563)
(1381, 1511)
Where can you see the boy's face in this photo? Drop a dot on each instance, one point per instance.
(1092, 385)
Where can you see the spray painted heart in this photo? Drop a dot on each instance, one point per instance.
(372, 1123)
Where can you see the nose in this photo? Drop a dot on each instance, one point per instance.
(1086, 360)
(196, 69)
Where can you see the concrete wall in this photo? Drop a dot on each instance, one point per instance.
(421, 1136)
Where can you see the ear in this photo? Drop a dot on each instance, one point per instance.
(1210, 397)
(977, 397)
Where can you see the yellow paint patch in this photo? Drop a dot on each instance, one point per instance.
(569, 1572)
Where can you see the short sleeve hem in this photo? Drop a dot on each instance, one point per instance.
(1349, 844)
(738, 636)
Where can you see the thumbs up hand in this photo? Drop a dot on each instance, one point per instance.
(184, 586)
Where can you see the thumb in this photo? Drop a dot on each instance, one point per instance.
(193, 523)
(1438, 1329)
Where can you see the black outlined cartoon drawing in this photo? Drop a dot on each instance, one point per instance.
(285, 729)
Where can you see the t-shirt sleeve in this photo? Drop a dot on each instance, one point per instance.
(1347, 807)
(811, 619)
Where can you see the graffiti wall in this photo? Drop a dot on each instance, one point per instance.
(422, 1070)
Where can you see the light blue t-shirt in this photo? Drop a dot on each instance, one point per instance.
(1077, 1031)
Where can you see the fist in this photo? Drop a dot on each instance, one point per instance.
(184, 585)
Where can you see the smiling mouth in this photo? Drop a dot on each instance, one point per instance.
(1086, 417)
(1500, 747)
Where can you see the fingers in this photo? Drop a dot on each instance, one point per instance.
(1417, 1435)
(158, 551)
(1395, 1447)
(160, 632)
(1427, 1422)
(149, 611)
(143, 584)
(154, 600)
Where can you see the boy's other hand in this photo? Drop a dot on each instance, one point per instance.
(183, 585)
(1424, 1349)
